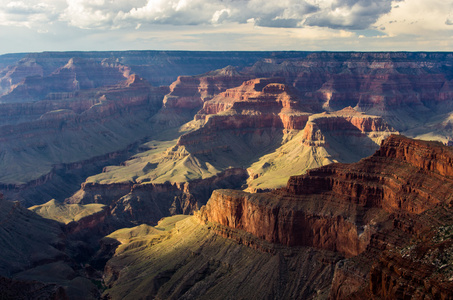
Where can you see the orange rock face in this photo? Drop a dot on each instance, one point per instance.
(346, 122)
(283, 222)
(191, 92)
(359, 210)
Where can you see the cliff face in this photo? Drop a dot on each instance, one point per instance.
(261, 120)
(263, 94)
(361, 210)
(403, 174)
(77, 74)
(190, 92)
(274, 92)
(149, 202)
(405, 88)
(280, 223)
(109, 119)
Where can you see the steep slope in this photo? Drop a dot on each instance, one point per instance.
(188, 93)
(410, 91)
(88, 128)
(358, 210)
(188, 261)
(264, 133)
(378, 228)
(263, 126)
(342, 136)
(77, 74)
(404, 88)
(34, 262)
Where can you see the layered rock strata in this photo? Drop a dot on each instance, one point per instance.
(381, 203)
(149, 202)
(89, 124)
(190, 92)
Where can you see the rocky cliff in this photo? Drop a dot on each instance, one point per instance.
(406, 88)
(191, 92)
(270, 90)
(80, 127)
(148, 202)
(266, 122)
(382, 203)
(258, 245)
(36, 261)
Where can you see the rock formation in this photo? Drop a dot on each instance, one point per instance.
(148, 202)
(35, 260)
(98, 124)
(379, 228)
(410, 91)
(351, 209)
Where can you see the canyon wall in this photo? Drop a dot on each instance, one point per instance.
(361, 210)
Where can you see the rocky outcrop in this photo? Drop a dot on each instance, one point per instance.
(77, 74)
(278, 222)
(346, 123)
(77, 128)
(263, 94)
(402, 175)
(361, 210)
(257, 105)
(149, 202)
(405, 88)
(190, 92)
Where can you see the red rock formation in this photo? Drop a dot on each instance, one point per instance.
(401, 192)
(77, 74)
(368, 80)
(404, 174)
(346, 122)
(285, 223)
(190, 92)
(256, 94)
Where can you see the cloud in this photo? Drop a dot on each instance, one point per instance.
(346, 14)
(28, 13)
(350, 14)
(428, 19)
(389, 16)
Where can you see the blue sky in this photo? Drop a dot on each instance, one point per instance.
(358, 25)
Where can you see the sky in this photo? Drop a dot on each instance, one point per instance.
(306, 25)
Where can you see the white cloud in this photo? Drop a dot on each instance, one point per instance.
(349, 14)
(29, 13)
(243, 24)
(418, 18)
(114, 14)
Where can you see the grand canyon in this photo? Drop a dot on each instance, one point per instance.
(226, 175)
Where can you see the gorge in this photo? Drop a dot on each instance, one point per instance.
(183, 175)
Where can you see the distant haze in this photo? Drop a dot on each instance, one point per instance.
(360, 25)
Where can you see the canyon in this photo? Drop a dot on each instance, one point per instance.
(290, 165)
(380, 227)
